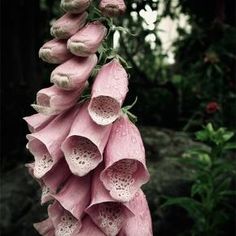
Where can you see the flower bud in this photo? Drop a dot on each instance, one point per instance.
(55, 52)
(68, 25)
(73, 73)
(52, 100)
(83, 148)
(108, 93)
(112, 8)
(125, 166)
(87, 41)
(75, 6)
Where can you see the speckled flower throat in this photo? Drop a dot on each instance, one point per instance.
(89, 158)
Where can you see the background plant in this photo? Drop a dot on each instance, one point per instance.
(212, 189)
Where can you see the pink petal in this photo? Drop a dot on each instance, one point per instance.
(89, 228)
(67, 25)
(75, 195)
(75, 6)
(108, 93)
(74, 72)
(83, 148)
(87, 40)
(64, 223)
(107, 214)
(52, 100)
(45, 227)
(141, 223)
(37, 121)
(55, 51)
(125, 164)
(112, 7)
(45, 144)
(56, 177)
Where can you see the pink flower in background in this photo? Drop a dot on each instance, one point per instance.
(45, 144)
(83, 148)
(87, 41)
(75, 6)
(125, 167)
(73, 73)
(112, 8)
(37, 121)
(108, 93)
(68, 25)
(212, 107)
(55, 52)
(53, 100)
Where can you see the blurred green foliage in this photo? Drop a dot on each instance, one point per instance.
(212, 188)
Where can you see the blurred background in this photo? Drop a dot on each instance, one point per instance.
(183, 60)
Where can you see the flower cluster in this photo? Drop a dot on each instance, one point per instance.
(89, 158)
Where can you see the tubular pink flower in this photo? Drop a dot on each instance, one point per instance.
(73, 73)
(107, 214)
(68, 25)
(87, 41)
(112, 8)
(108, 93)
(63, 221)
(55, 52)
(89, 228)
(141, 223)
(75, 195)
(83, 148)
(45, 227)
(125, 167)
(37, 121)
(45, 195)
(45, 144)
(53, 100)
(75, 6)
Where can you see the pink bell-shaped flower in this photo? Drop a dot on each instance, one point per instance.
(63, 221)
(75, 195)
(68, 25)
(83, 148)
(112, 8)
(89, 228)
(141, 223)
(55, 51)
(108, 93)
(105, 212)
(53, 100)
(45, 227)
(45, 144)
(87, 41)
(125, 166)
(75, 6)
(37, 121)
(73, 73)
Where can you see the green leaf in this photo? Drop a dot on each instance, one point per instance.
(230, 146)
